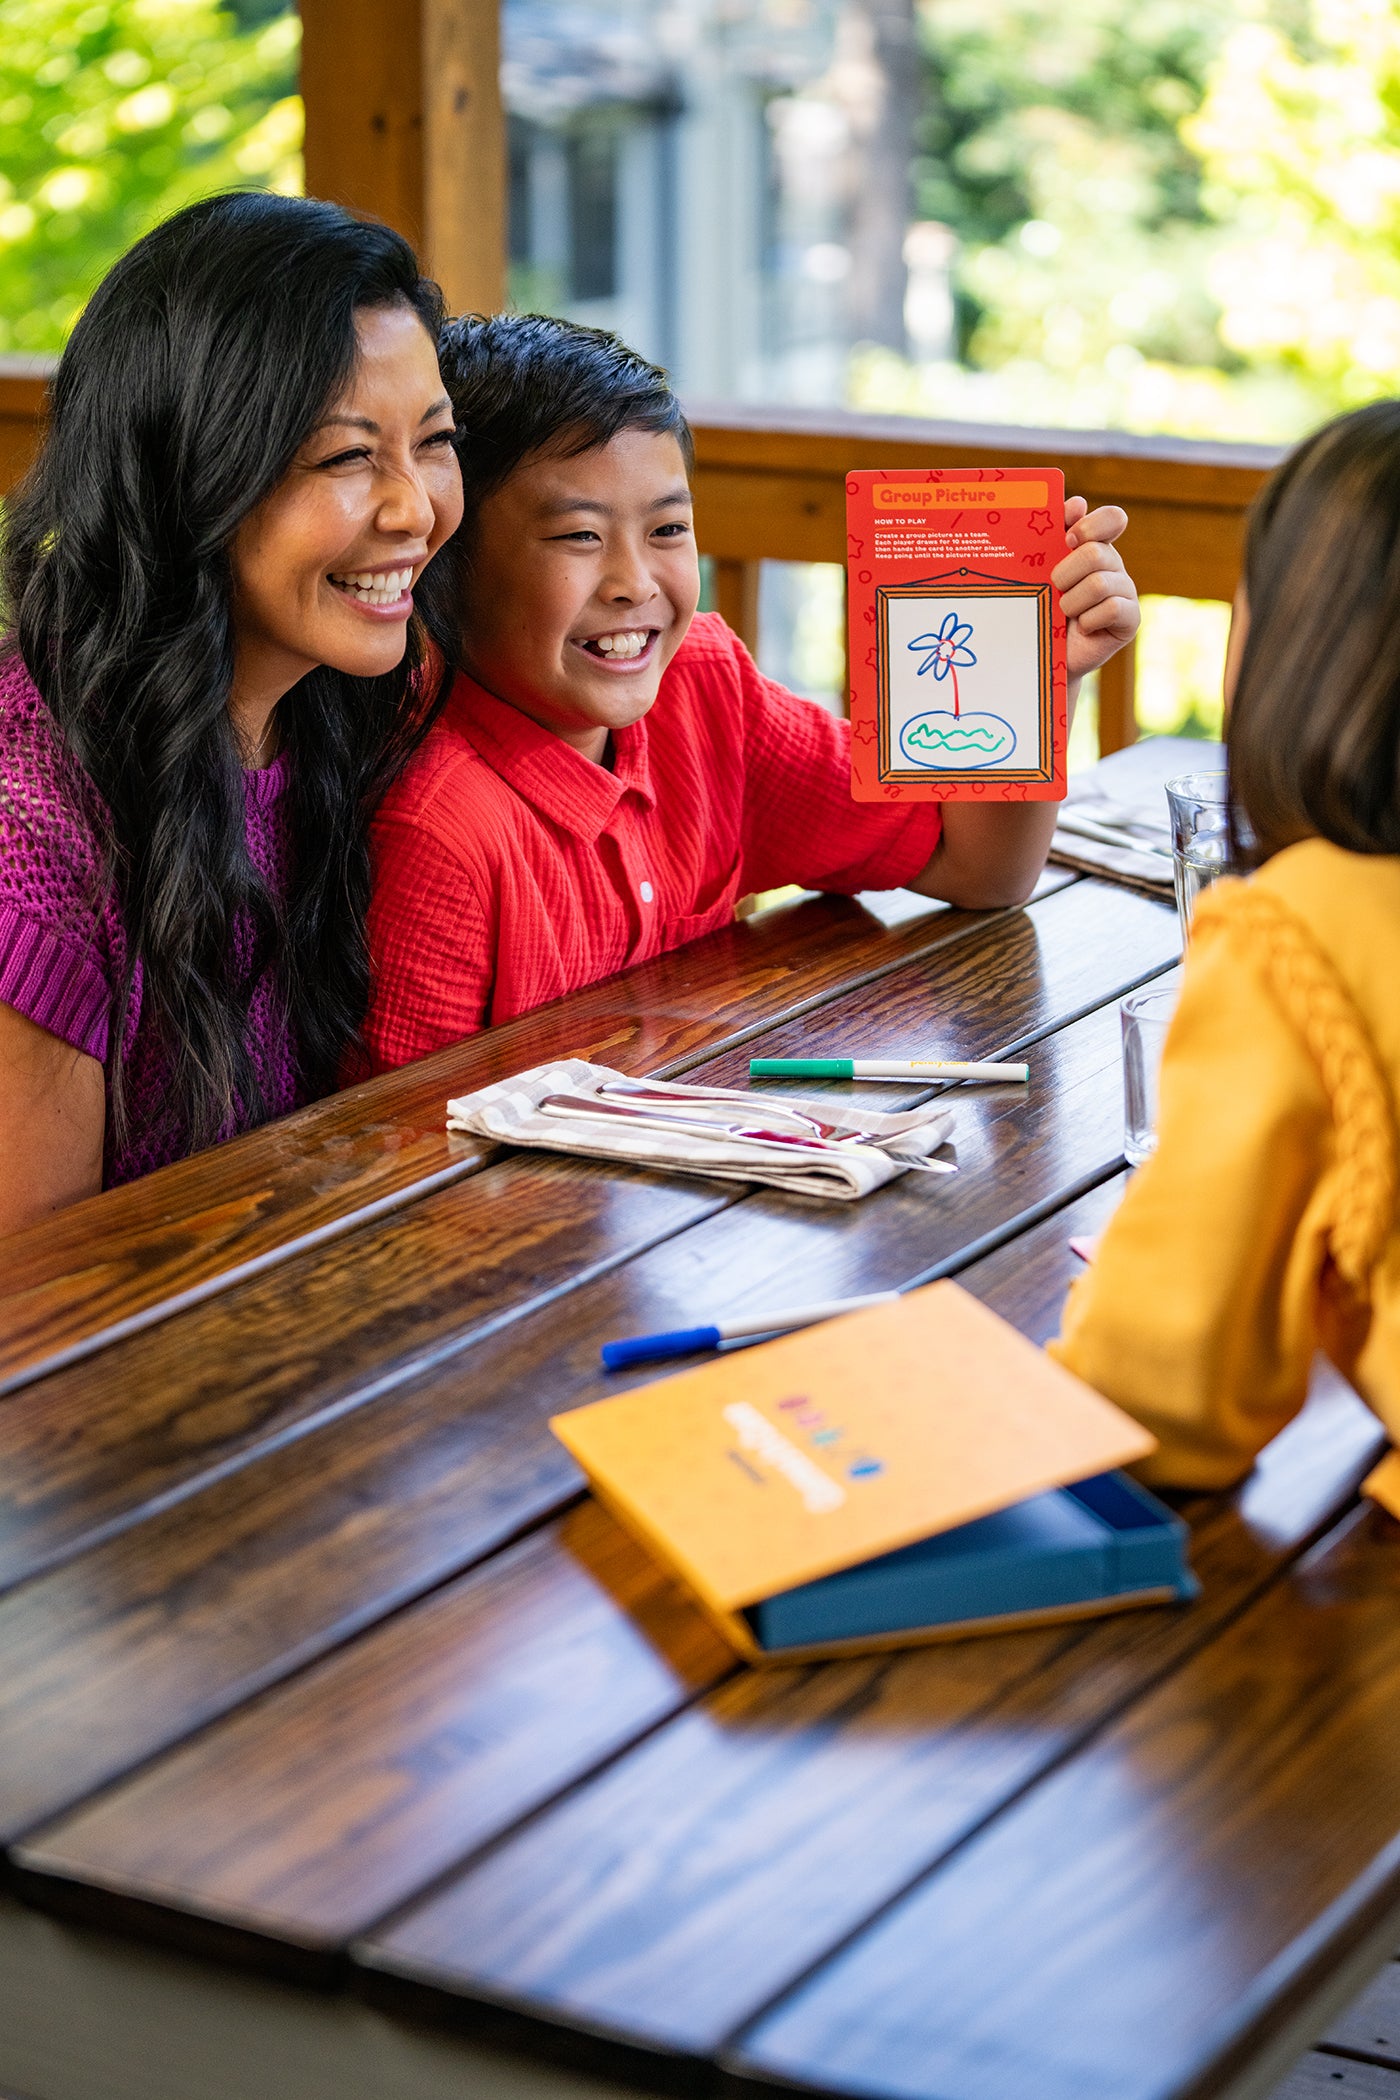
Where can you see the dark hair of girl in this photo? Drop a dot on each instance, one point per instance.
(526, 384)
(1314, 729)
(200, 366)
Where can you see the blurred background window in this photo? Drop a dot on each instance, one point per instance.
(1158, 215)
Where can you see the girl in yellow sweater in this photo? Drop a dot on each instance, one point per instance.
(1265, 1226)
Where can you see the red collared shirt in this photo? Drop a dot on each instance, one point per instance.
(508, 869)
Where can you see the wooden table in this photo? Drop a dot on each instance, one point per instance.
(319, 1673)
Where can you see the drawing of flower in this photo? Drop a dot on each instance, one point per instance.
(947, 650)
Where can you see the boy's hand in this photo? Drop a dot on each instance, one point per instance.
(1097, 595)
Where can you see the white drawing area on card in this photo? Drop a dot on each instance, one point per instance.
(964, 681)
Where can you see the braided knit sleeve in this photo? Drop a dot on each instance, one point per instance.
(1265, 1207)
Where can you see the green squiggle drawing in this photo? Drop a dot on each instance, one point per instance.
(959, 740)
(943, 739)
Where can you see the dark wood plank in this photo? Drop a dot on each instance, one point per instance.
(159, 1628)
(1321, 2077)
(325, 1803)
(333, 1798)
(88, 1447)
(658, 1909)
(1030, 973)
(1371, 2027)
(1145, 1921)
(132, 1255)
(84, 1451)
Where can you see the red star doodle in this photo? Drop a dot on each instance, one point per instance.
(870, 661)
(865, 733)
(1048, 526)
(856, 546)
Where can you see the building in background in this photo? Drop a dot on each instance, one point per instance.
(724, 182)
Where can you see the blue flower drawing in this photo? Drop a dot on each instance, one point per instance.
(947, 650)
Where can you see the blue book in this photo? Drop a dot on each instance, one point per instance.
(911, 1472)
(1073, 1549)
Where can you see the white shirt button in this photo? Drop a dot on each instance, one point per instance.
(647, 893)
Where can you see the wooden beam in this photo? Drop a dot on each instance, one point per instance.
(464, 152)
(404, 122)
(736, 598)
(362, 84)
(770, 483)
(23, 386)
(1117, 698)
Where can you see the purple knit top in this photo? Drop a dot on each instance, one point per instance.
(62, 938)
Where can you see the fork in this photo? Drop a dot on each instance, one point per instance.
(838, 1133)
(592, 1106)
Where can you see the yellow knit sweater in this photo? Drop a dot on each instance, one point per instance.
(1264, 1228)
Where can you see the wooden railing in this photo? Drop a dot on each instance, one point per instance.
(770, 486)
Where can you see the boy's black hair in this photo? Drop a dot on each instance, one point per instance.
(1314, 728)
(523, 384)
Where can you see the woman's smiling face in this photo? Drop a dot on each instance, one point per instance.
(324, 567)
(582, 582)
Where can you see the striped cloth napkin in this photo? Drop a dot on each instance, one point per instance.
(510, 1112)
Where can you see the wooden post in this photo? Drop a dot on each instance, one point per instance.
(1117, 687)
(736, 598)
(465, 202)
(404, 122)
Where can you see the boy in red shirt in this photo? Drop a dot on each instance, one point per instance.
(610, 772)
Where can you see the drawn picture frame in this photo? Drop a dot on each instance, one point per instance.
(979, 737)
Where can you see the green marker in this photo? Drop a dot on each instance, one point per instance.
(881, 1068)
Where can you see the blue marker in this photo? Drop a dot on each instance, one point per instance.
(685, 1341)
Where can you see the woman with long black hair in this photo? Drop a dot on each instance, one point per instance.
(217, 658)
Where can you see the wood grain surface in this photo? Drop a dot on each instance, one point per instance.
(1371, 2027)
(171, 1620)
(314, 1657)
(697, 1878)
(139, 1253)
(317, 1808)
(83, 1456)
(270, 1357)
(1168, 1882)
(1322, 2077)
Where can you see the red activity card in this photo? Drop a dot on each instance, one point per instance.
(957, 642)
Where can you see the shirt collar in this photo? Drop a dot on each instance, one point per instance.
(558, 781)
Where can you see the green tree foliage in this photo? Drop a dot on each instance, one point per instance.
(1170, 214)
(1066, 120)
(1299, 138)
(113, 114)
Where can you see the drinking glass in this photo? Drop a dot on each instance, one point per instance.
(1146, 1017)
(1201, 851)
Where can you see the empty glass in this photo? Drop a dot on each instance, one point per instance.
(1201, 852)
(1146, 1017)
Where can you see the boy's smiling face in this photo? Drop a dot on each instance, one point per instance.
(583, 580)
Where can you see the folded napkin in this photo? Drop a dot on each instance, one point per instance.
(510, 1113)
(1127, 792)
(1136, 865)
